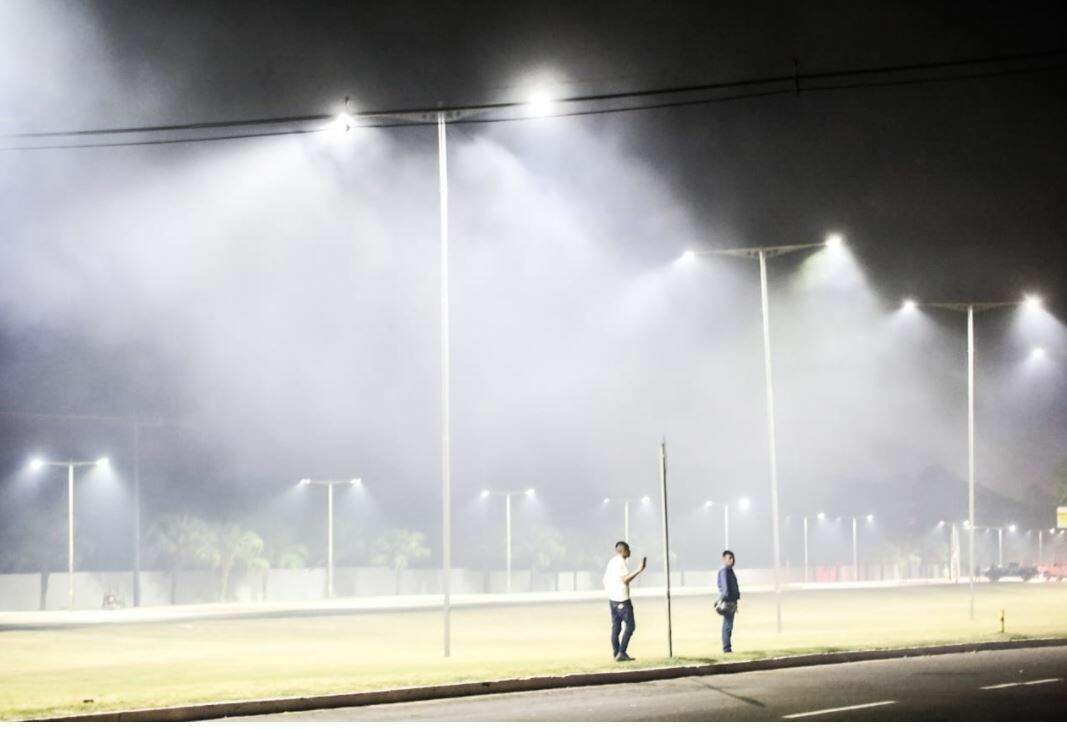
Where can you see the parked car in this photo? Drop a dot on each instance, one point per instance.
(1053, 571)
(1012, 569)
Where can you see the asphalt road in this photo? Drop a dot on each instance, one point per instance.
(1005, 685)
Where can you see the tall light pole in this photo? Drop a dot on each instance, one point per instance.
(329, 484)
(486, 493)
(970, 307)
(762, 253)
(626, 501)
(855, 544)
(37, 464)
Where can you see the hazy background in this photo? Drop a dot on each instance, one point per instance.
(278, 298)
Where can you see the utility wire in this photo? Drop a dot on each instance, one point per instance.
(390, 118)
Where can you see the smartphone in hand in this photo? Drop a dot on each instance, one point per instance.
(644, 562)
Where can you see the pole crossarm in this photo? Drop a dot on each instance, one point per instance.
(963, 306)
(330, 481)
(754, 252)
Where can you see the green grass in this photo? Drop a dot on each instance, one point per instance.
(105, 668)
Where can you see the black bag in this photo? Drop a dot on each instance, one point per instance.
(725, 607)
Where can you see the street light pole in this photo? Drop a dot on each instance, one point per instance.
(70, 533)
(626, 521)
(761, 253)
(1000, 546)
(807, 577)
(329, 484)
(726, 525)
(446, 423)
(855, 552)
(507, 511)
(970, 307)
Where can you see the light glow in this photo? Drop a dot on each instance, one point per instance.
(834, 241)
(909, 305)
(530, 492)
(1032, 302)
(1011, 528)
(821, 515)
(646, 500)
(743, 504)
(36, 464)
(540, 104)
(485, 493)
(103, 462)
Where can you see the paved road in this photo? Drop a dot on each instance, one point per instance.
(1008, 685)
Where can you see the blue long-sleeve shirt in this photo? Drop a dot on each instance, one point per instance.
(727, 584)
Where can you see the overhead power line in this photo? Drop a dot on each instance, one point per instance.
(796, 83)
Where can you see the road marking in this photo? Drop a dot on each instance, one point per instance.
(1020, 683)
(837, 709)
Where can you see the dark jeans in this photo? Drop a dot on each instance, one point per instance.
(727, 631)
(621, 612)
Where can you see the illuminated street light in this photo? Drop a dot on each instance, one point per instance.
(1011, 528)
(688, 257)
(626, 501)
(761, 254)
(36, 464)
(486, 493)
(909, 305)
(1037, 353)
(742, 504)
(540, 104)
(329, 484)
(821, 515)
(1031, 302)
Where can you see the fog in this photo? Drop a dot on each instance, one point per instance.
(276, 302)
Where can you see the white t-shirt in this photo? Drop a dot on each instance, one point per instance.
(618, 590)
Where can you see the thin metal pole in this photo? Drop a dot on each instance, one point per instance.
(806, 573)
(666, 539)
(970, 450)
(726, 525)
(855, 551)
(136, 514)
(446, 425)
(507, 512)
(1000, 546)
(70, 533)
(770, 435)
(1040, 547)
(626, 521)
(329, 539)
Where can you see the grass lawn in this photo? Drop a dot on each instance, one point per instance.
(62, 671)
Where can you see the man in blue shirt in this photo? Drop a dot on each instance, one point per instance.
(729, 594)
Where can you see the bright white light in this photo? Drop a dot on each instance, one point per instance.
(645, 500)
(870, 518)
(941, 523)
(36, 464)
(539, 104)
(834, 241)
(530, 492)
(607, 500)
(1033, 302)
(966, 524)
(743, 504)
(1051, 531)
(357, 482)
(343, 123)
(304, 482)
(1011, 528)
(709, 503)
(909, 305)
(1037, 353)
(820, 516)
(485, 493)
(688, 256)
(103, 462)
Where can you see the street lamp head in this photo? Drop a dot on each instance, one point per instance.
(36, 464)
(646, 500)
(743, 504)
(821, 515)
(909, 305)
(688, 256)
(966, 523)
(530, 492)
(1037, 353)
(539, 104)
(1032, 302)
(1011, 528)
(357, 482)
(1051, 531)
(834, 241)
(485, 493)
(103, 462)
(941, 523)
(708, 503)
(304, 482)
(870, 518)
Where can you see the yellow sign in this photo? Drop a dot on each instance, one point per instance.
(1061, 517)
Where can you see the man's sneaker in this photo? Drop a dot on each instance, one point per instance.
(623, 657)
(727, 650)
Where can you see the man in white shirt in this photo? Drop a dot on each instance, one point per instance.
(617, 579)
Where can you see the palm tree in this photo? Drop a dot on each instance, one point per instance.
(544, 547)
(182, 540)
(37, 544)
(284, 553)
(398, 548)
(238, 548)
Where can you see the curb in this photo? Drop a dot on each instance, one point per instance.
(201, 712)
